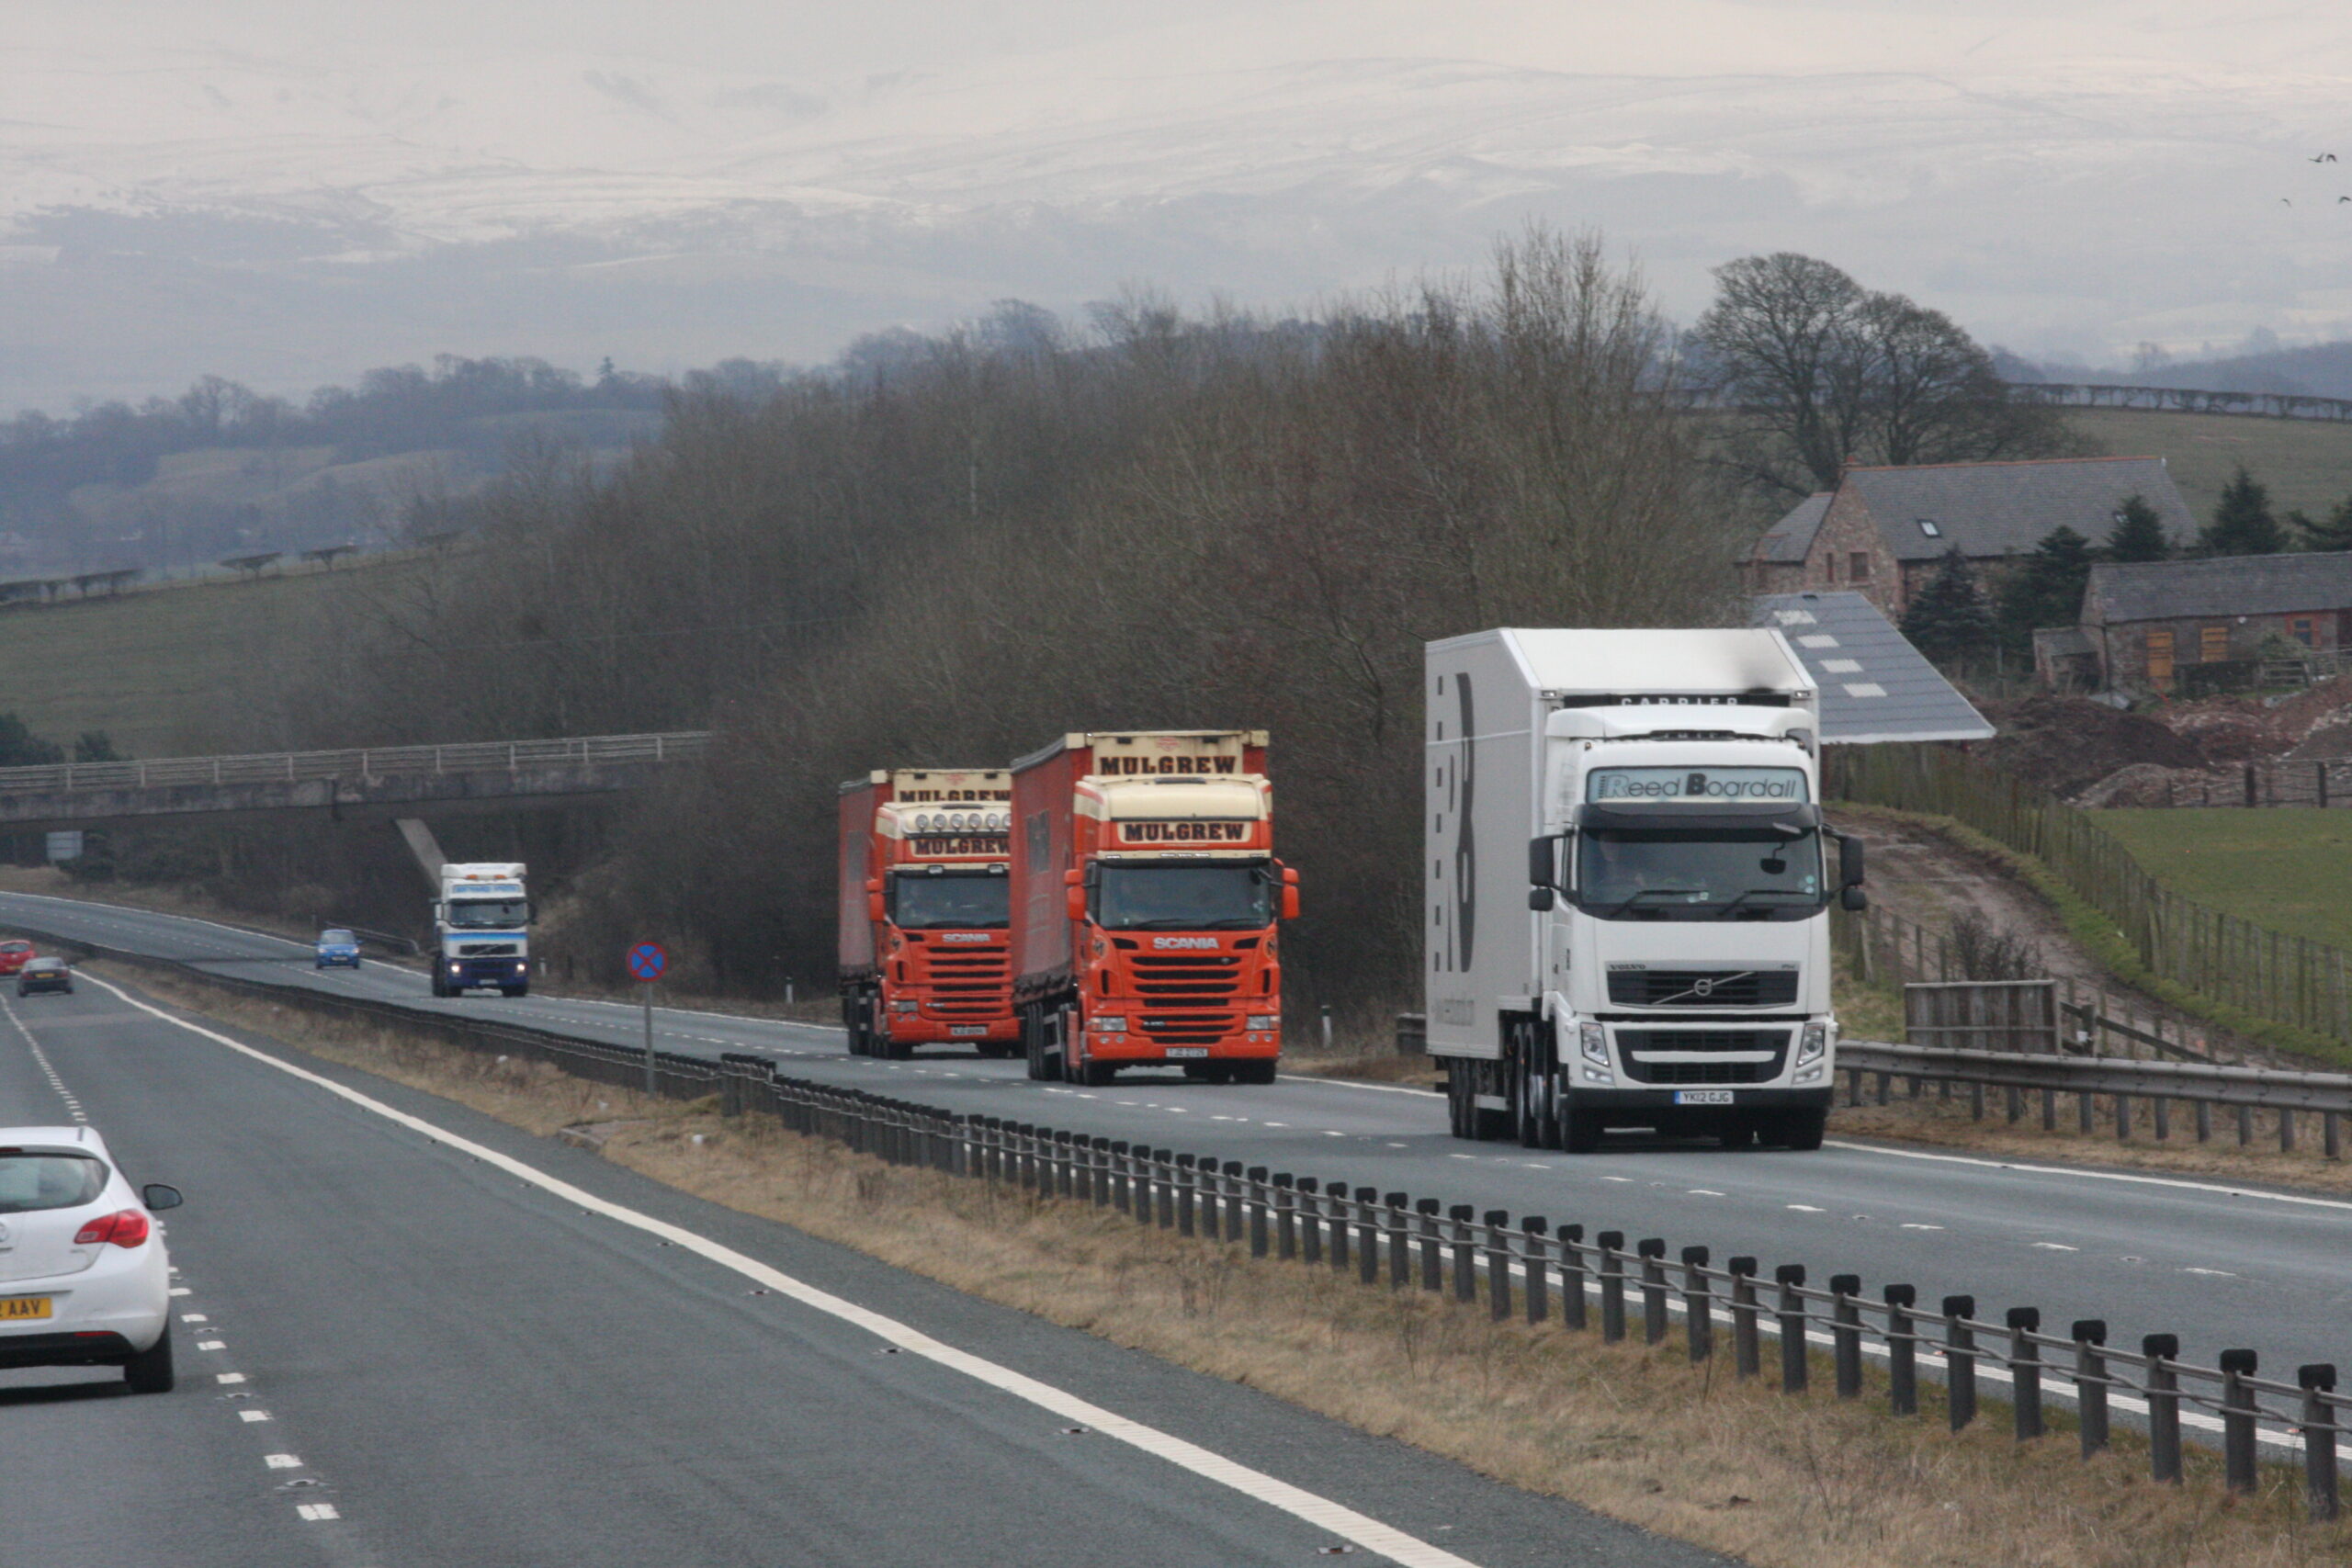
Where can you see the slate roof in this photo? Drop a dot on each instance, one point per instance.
(2231, 585)
(1999, 509)
(1787, 542)
(1874, 686)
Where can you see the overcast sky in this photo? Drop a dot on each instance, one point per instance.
(285, 192)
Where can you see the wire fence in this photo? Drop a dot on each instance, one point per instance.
(469, 757)
(1524, 1265)
(2287, 979)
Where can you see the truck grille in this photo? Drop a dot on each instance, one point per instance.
(1198, 978)
(1702, 987)
(1638, 1044)
(485, 949)
(1187, 1028)
(974, 982)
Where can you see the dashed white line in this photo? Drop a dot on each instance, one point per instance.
(2056, 1246)
(2212, 1273)
(212, 1345)
(1909, 1225)
(1807, 1209)
(253, 1415)
(317, 1511)
(281, 1462)
(1705, 1193)
(227, 1377)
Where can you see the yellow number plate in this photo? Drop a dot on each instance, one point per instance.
(15, 1307)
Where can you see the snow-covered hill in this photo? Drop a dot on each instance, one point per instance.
(248, 188)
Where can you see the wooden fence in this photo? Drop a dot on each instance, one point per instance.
(2287, 979)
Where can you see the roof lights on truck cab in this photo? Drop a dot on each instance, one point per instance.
(962, 822)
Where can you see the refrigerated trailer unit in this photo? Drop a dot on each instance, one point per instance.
(1629, 882)
(924, 954)
(1145, 897)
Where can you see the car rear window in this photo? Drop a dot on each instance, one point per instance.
(343, 938)
(30, 1182)
(46, 964)
(16, 947)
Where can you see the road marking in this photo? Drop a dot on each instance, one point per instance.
(212, 1345)
(227, 1377)
(192, 1317)
(1908, 1225)
(41, 1058)
(2056, 1246)
(1321, 1512)
(281, 1462)
(182, 1290)
(2213, 1186)
(2212, 1273)
(317, 1511)
(1807, 1209)
(1695, 1192)
(253, 1415)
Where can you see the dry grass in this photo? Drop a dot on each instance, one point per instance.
(1633, 1432)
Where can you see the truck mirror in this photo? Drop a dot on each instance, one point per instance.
(1543, 862)
(1849, 859)
(874, 885)
(1075, 898)
(1072, 877)
(1290, 894)
(1853, 901)
(874, 910)
(1539, 899)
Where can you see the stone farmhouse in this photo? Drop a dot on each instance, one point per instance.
(1883, 532)
(2143, 625)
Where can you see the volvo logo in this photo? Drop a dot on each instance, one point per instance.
(1703, 987)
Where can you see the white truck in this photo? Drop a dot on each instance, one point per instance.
(1629, 885)
(479, 929)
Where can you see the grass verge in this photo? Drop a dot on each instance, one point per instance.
(1633, 1432)
(2282, 866)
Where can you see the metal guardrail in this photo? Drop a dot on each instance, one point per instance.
(1528, 1265)
(2122, 1083)
(275, 767)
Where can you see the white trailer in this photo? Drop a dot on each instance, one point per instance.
(480, 929)
(1629, 882)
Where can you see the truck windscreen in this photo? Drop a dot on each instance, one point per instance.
(950, 901)
(1184, 897)
(1667, 873)
(482, 914)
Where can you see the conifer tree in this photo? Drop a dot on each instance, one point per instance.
(1949, 621)
(2335, 533)
(2242, 523)
(2138, 534)
(2047, 588)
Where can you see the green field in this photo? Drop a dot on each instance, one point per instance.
(163, 672)
(2306, 463)
(2288, 868)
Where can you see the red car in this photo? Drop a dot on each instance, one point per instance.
(14, 955)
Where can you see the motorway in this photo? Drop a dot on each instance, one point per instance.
(2220, 1264)
(409, 1335)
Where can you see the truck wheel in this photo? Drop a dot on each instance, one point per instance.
(522, 990)
(895, 1050)
(1457, 1103)
(1580, 1131)
(439, 989)
(1032, 1041)
(1735, 1133)
(1800, 1129)
(1098, 1075)
(1259, 1072)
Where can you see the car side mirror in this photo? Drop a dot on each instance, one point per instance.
(1849, 859)
(1540, 899)
(158, 1197)
(1853, 901)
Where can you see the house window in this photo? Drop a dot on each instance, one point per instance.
(2214, 644)
(1858, 568)
(2303, 631)
(2160, 658)
(1928, 526)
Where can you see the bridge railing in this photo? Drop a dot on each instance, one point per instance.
(272, 767)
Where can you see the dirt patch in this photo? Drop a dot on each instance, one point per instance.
(2066, 743)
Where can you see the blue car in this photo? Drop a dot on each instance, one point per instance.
(338, 949)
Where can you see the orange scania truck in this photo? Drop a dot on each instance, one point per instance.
(1145, 897)
(923, 902)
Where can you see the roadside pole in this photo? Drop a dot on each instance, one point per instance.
(646, 963)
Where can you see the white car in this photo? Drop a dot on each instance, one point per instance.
(83, 1278)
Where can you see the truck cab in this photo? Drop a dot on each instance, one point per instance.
(481, 935)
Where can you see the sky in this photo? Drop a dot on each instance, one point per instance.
(286, 193)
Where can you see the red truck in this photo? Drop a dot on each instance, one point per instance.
(923, 901)
(1144, 896)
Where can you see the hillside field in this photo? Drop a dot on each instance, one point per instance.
(2284, 867)
(2306, 463)
(159, 671)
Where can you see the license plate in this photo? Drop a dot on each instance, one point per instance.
(1702, 1097)
(1178, 1052)
(967, 1029)
(15, 1308)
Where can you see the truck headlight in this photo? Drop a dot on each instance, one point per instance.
(905, 1006)
(1108, 1025)
(1264, 1021)
(1595, 1041)
(1813, 1043)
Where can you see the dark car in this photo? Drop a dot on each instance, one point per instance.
(45, 975)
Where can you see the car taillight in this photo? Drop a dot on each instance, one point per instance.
(127, 1227)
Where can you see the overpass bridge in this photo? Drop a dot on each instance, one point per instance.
(389, 781)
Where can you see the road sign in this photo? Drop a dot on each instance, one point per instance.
(647, 961)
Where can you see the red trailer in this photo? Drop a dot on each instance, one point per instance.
(924, 951)
(1145, 897)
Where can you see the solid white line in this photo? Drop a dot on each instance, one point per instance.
(2131, 1177)
(1321, 1512)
